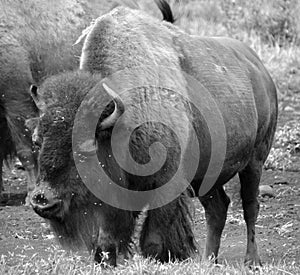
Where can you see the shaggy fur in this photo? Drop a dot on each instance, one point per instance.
(150, 51)
(16, 106)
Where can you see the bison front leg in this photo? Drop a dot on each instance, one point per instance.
(167, 233)
(114, 236)
(215, 205)
(106, 249)
(250, 178)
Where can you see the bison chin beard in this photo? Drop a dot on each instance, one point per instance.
(78, 228)
(88, 227)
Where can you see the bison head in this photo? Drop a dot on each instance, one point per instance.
(59, 185)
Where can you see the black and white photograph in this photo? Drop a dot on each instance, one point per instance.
(149, 137)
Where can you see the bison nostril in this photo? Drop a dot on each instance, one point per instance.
(40, 199)
(46, 205)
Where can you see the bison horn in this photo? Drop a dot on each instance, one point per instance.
(119, 109)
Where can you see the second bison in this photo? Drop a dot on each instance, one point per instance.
(36, 40)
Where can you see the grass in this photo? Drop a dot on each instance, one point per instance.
(61, 263)
(286, 148)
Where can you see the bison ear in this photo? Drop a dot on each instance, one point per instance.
(36, 98)
(119, 109)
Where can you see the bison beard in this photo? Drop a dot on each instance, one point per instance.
(166, 233)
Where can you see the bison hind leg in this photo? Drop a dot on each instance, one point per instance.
(215, 205)
(167, 233)
(250, 178)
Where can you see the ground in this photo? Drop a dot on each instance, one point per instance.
(24, 235)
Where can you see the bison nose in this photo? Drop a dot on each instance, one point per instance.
(46, 205)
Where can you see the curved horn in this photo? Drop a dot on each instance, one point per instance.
(119, 109)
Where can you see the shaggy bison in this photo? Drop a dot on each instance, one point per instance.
(147, 51)
(35, 42)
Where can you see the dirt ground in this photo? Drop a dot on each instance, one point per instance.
(24, 234)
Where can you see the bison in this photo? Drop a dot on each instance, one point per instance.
(164, 75)
(35, 42)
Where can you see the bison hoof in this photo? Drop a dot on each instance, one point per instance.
(209, 259)
(154, 251)
(106, 258)
(253, 262)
